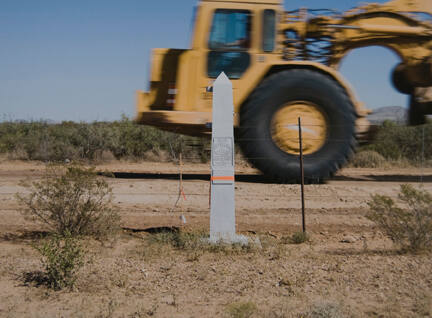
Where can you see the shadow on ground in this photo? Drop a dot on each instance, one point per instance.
(368, 252)
(249, 178)
(387, 178)
(256, 178)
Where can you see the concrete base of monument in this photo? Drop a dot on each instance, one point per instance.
(234, 239)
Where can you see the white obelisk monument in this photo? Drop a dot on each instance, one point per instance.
(222, 209)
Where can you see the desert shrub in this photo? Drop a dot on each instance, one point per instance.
(71, 200)
(397, 142)
(62, 257)
(298, 238)
(324, 310)
(368, 159)
(88, 141)
(409, 226)
(241, 309)
(39, 140)
(134, 141)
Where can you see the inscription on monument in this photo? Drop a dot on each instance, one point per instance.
(222, 152)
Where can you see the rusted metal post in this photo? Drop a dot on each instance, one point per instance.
(302, 175)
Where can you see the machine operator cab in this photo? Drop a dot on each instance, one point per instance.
(237, 37)
(232, 40)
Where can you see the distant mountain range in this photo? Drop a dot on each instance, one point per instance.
(397, 114)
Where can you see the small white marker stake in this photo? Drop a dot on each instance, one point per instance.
(222, 207)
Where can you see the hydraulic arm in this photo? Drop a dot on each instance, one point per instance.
(404, 26)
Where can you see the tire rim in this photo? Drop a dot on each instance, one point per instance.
(285, 130)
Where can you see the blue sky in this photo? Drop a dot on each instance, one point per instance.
(82, 60)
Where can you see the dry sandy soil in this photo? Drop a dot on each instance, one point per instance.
(348, 269)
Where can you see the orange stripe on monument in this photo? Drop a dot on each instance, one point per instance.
(222, 179)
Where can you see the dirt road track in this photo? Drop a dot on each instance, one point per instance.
(145, 194)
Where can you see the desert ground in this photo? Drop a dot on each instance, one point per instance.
(347, 269)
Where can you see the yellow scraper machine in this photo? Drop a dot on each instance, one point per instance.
(284, 65)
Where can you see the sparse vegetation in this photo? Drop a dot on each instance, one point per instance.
(123, 139)
(368, 159)
(196, 241)
(241, 309)
(403, 143)
(62, 257)
(298, 238)
(144, 272)
(71, 201)
(179, 239)
(409, 225)
(323, 310)
(96, 141)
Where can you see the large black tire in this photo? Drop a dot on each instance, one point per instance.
(290, 86)
(400, 81)
(416, 115)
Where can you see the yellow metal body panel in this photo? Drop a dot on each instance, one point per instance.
(201, 115)
(411, 5)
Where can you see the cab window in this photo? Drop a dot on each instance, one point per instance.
(230, 30)
(269, 30)
(229, 41)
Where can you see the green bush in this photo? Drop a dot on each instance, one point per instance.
(62, 257)
(395, 142)
(71, 200)
(409, 226)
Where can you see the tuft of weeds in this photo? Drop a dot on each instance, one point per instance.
(241, 309)
(72, 200)
(143, 312)
(178, 239)
(196, 243)
(298, 238)
(194, 256)
(409, 226)
(62, 257)
(423, 305)
(109, 311)
(323, 310)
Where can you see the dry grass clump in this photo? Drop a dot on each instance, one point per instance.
(409, 225)
(324, 310)
(71, 201)
(241, 309)
(191, 241)
(298, 238)
(368, 159)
